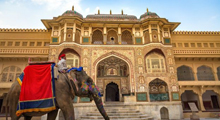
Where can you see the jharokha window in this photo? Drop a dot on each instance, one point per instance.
(155, 63)
(72, 60)
(9, 74)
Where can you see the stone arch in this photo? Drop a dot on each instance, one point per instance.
(158, 90)
(97, 29)
(126, 36)
(118, 55)
(77, 36)
(210, 100)
(97, 36)
(155, 61)
(164, 113)
(72, 51)
(187, 96)
(185, 73)
(146, 37)
(10, 73)
(205, 72)
(112, 34)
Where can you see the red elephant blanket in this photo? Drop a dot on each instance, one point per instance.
(37, 89)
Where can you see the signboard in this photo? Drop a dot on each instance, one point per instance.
(193, 107)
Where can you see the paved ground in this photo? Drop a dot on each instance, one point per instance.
(38, 118)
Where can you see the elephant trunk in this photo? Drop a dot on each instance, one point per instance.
(99, 104)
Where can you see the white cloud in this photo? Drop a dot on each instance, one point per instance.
(0, 12)
(59, 4)
(87, 10)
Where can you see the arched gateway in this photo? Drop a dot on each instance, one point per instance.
(113, 78)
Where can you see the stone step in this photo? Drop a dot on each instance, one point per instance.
(118, 111)
(115, 114)
(116, 117)
(125, 119)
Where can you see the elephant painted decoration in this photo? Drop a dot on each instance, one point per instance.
(80, 85)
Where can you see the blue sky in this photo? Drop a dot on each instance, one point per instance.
(194, 15)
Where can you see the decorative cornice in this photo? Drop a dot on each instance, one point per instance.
(196, 51)
(197, 32)
(25, 51)
(22, 30)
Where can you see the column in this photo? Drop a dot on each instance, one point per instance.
(133, 33)
(74, 31)
(141, 34)
(119, 34)
(201, 102)
(158, 31)
(59, 34)
(104, 34)
(64, 37)
(82, 33)
(150, 32)
(195, 72)
(90, 33)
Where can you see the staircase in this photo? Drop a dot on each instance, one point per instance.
(117, 111)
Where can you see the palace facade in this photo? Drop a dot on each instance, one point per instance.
(132, 60)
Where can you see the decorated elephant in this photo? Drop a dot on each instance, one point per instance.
(67, 86)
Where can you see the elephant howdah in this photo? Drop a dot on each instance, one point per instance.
(77, 82)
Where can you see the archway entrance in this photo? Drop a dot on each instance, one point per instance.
(112, 92)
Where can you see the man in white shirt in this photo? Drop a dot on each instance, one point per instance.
(62, 67)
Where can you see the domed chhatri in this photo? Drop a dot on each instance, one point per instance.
(149, 14)
(72, 13)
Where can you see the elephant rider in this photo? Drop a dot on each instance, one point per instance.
(62, 67)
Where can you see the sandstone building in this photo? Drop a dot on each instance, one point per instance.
(132, 60)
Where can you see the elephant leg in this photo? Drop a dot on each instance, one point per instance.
(52, 115)
(65, 103)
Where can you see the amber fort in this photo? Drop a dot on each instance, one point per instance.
(137, 61)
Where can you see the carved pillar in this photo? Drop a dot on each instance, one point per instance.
(64, 37)
(119, 39)
(59, 34)
(216, 75)
(82, 32)
(141, 34)
(158, 31)
(74, 31)
(195, 72)
(202, 108)
(119, 34)
(200, 98)
(150, 32)
(133, 33)
(90, 33)
(104, 34)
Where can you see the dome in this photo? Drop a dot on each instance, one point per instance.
(72, 13)
(111, 17)
(149, 14)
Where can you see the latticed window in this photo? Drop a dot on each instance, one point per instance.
(72, 60)
(205, 73)
(69, 35)
(77, 36)
(112, 37)
(155, 63)
(97, 37)
(218, 72)
(185, 73)
(126, 37)
(146, 37)
(158, 90)
(10, 74)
